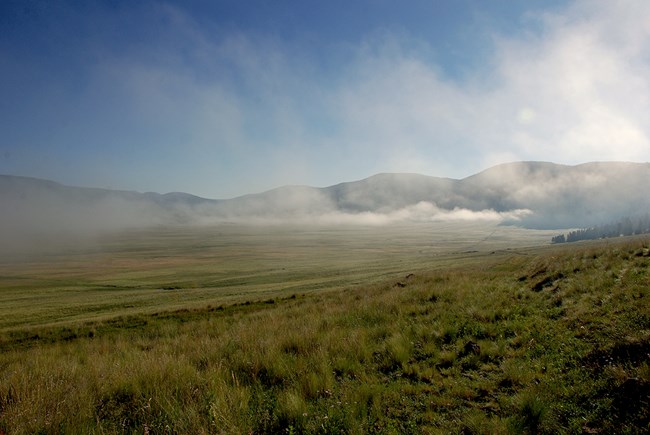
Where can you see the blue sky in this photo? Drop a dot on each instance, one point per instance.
(223, 98)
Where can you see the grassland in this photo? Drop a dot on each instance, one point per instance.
(401, 330)
(176, 268)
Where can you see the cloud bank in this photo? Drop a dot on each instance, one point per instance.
(422, 212)
(577, 90)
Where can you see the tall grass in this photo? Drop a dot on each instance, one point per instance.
(482, 349)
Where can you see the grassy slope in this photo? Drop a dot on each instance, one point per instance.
(556, 340)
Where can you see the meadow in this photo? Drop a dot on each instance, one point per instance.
(168, 268)
(437, 328)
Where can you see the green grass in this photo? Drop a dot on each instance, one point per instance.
(166, 269)
(534, 340)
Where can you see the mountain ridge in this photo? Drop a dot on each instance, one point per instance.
(554, 196)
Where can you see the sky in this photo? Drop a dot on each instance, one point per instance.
(224, 98)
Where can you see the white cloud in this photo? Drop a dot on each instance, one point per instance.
(588, 88)
(578, 91)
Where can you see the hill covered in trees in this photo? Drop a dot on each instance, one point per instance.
(624, 227)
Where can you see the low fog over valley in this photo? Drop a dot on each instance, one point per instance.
(529, 194)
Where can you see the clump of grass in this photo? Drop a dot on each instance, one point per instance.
(229, 406)
(478, 422)
(529, 414)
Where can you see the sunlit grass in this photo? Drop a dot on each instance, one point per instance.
(478, 347)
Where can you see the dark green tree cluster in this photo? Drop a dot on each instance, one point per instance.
(625, 227)
(560, 238)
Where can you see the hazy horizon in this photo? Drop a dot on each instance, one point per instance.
(272, 188)
(222, 99)
(538, 195)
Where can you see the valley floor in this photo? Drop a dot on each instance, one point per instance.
(526, 340)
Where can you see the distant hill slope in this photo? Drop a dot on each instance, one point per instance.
(35, 212)
(562, 196)
(558, 196)
(555, 196)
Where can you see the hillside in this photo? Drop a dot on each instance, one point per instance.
(39, 212)
(562, 196)
(531, 194)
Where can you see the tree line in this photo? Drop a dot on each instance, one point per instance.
(625, 227)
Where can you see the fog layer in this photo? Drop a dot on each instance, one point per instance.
(530, 194)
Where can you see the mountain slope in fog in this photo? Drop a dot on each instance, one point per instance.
(35, 214)
(554, 196)
(562, 196)
(557, 196)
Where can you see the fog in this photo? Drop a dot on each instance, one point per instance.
(38, 215)
(45, 224)
(421, 212)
